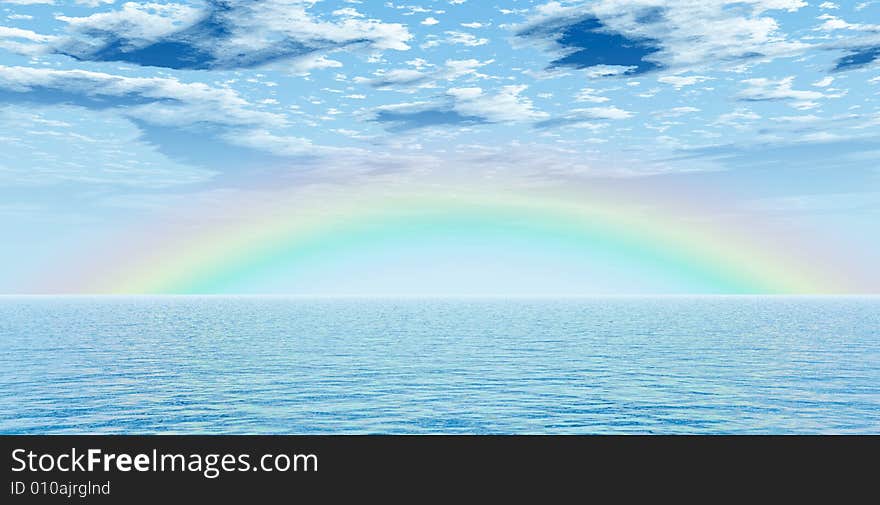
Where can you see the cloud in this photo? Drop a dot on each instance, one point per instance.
(604, 113)
(676, 111)
(21, 41)
(681, 81)
(404, 77)
(468, 67)
(600, 38)
(280, 145)
(462, 107)
(586, 115)
(809, 118)
(19, 33)
(508, 105)
(455, 38)
(304, 65)
(646, 35)
(738, 119)
(590, 95)
(225, 34)
(348, 12)
(159, 100)
(187, 120)
(408, 79)
(762, 89)
(833, 23)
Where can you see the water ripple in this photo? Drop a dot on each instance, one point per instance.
(288, 365)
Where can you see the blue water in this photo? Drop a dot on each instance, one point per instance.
(289, 365)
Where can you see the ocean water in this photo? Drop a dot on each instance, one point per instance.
(293, 365)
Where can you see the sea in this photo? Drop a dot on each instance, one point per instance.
(293, 365)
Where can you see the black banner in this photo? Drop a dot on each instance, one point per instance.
(120, 469)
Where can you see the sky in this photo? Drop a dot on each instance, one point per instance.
(440, 147)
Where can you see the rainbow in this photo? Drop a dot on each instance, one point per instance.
(297, 243)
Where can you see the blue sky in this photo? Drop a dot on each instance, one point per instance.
(113, 111)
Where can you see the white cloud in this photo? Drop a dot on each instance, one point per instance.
(739, 118)
(465, 39)
(281, 145)
(832, 23)
(610, 112)
(19, 33)
(169, 102)
(140, 22)
(256, 33)
(824, 83)
(508, 105)
(676, 111)
(306, 64)
(681, 81)
(406, 79)
(589, 95)
(21, 41)
(589, 117)
(454, 69)
(763, 89)
(809, 118)
(348, 12)
(410, 79)
(455, 37)
(689, 34)
(429, 21)
(820, 137)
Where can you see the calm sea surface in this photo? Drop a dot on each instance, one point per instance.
(291, 365)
